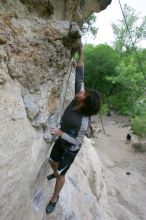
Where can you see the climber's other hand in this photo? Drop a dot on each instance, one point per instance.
(56, 131)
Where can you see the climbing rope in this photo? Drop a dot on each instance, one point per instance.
(58, 124)
(71, 66)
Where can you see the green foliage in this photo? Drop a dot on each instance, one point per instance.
(116, 73)
(129, 83)
(89, 26)
(137, 29)
(140, 107)
(118, 105)
(138, 125)
(104, 108)
(100, 62)
(119, 80)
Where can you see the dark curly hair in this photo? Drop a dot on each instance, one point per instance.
(92, 103)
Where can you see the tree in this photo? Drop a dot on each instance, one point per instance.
(129, 83)
(89, 26)
(138, 126)
(100, 62)
(137, 29)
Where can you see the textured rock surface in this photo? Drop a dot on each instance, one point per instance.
(71, 10)
(36, 41)
(84, 195)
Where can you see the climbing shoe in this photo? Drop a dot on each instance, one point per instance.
(51, 176)
(51, 206)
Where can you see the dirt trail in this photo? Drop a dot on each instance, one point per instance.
(124, 170)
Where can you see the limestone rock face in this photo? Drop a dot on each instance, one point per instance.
(70, 10)
(37, 38)
(84, 194)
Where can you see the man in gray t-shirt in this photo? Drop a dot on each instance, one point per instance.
(75, 122)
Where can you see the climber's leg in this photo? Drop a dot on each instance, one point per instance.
(55, 157)
(54, 166)
(59, 184)
(65, 162)
(60, 180)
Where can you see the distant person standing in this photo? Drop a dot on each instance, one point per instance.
(75, 122)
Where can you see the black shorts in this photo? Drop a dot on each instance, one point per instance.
(61, 153)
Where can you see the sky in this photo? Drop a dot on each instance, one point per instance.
(110, 15)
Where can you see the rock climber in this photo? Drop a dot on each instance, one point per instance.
(75, 122)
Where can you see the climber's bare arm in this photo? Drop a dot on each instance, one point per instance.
(80, 57)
